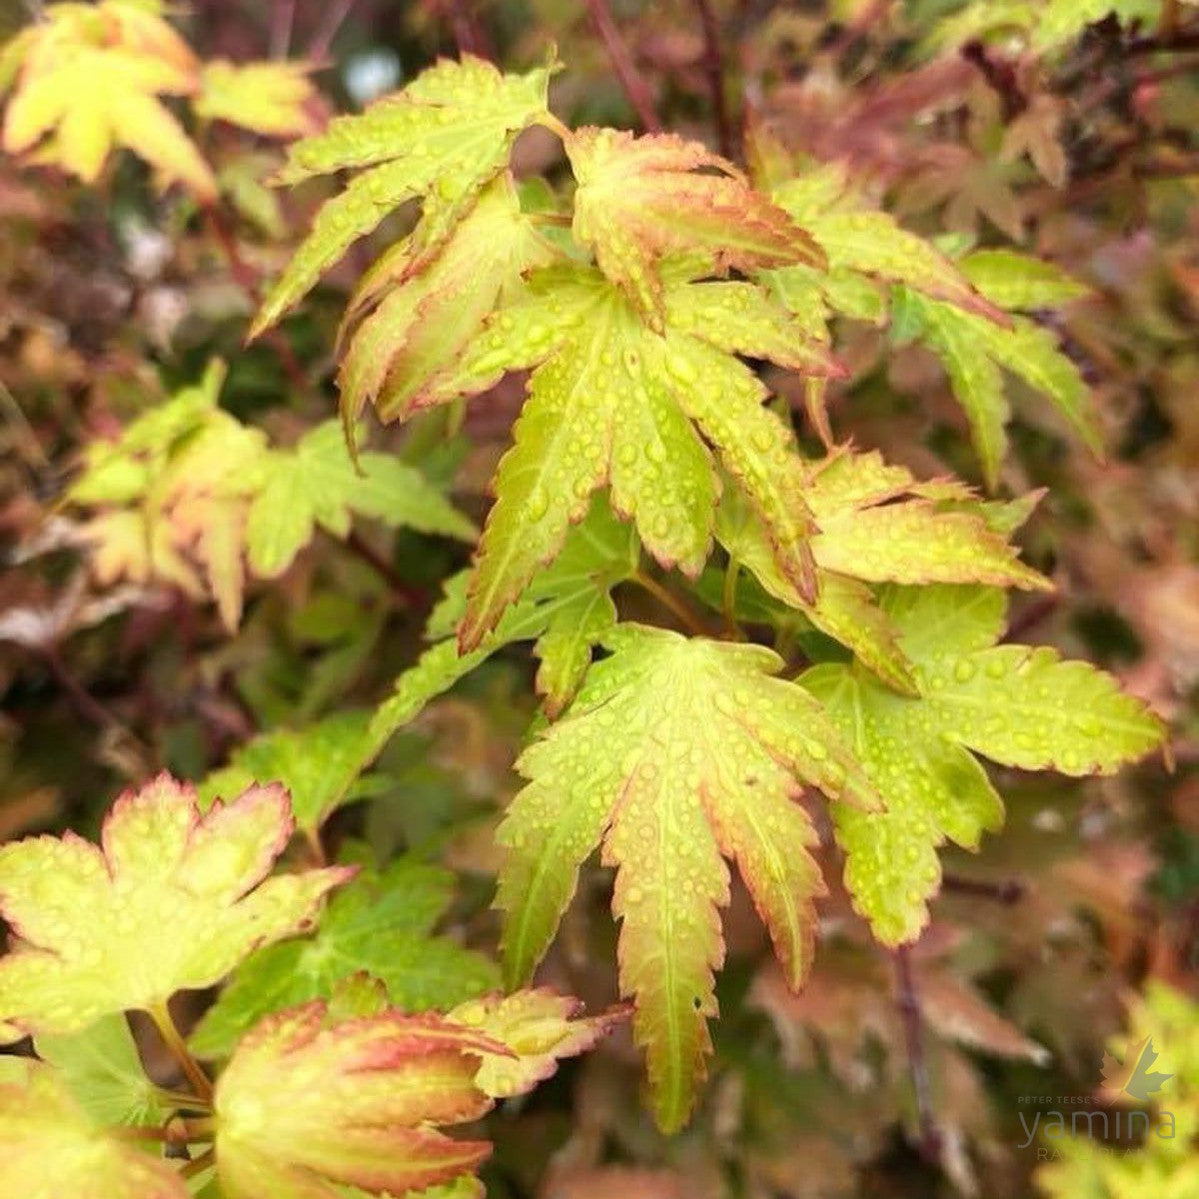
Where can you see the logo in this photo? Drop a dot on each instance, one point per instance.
(1135, 1079)
(1121, 1125)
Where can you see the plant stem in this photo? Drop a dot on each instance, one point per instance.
(199, 1164)
(634, 85)
(326, 31)
(409, 596)
(191, 1068)
(1008, 891)
(728, 597)
(909, 1008)
(683, 613)
(283, 14)
(714, 69)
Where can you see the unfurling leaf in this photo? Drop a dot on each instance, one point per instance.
(171, 900)
(674, 753)
(91, 78)
(440, 140)
(1013, 704)
(538, 1027)
(50, 1149)
(421, 328)
(305, 1106)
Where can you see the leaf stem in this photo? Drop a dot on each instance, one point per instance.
(199, 1164)
(682, 611)
(191, 1068)
(913, 1029)
(634, 85)
(728, 596)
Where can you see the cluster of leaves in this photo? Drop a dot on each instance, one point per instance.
(187, 488)
(343, 1090)
(86, 79)
(784, 644)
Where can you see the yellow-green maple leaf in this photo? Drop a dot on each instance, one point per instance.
(272, 98)
(877, 524)
(439, 140)
(676, 753)
(421, 327)
(1014, 704)
(613, 403)
(90, 79)
(172, 900)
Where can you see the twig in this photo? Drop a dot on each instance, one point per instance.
(909, 1009)
(199, 1165)
(410, 596)
(85, 703)
(1007, 892)
(326, 31)
(469, 36)
(634, 85)
(713, 62)
(243, 273)
(686, 617)
(1164, 43)
(1032, 616)
(283, 15)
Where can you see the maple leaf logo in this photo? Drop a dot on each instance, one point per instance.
(1135, 1078)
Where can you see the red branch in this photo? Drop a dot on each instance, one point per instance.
(634, 85)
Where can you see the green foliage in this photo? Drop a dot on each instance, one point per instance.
(676, 751)
(1013, 704)
(382, 923)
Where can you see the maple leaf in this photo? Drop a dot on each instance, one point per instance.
(440, 140)
(102, 930)
(1014, 704)
(975, 352)
(316, 483)
(49, 1148)
(305, 1105)
(271, 98)
(188, 486)
(317, 765)
(877, 524)
(614, 403)
(640, 198)
(1135, 1078)
(862, 246)
(90, 79)
(101, 1068)
(538, 1027)
(421, 328)
(381, 923)
(675, 752)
